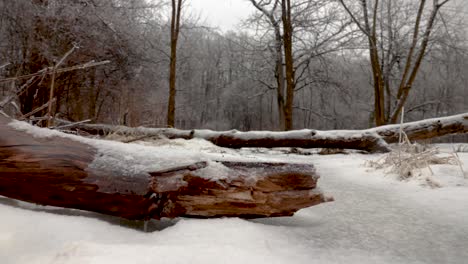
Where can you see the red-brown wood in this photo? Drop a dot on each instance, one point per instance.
(55, 171)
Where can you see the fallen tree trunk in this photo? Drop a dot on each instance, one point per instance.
(306, 138)
(61, 171)
(425, 129)
(371, 140)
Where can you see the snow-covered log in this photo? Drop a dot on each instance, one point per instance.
(425, 129)
(306, 138)
(137, 182)
(371, 140)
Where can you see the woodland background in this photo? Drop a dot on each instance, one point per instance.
(225, 80)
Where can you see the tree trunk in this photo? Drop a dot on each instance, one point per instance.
(289, 61)
(56, 171)
(425, 129)
(371, 140)
(175, 27)
(306, 138)
(280, 76)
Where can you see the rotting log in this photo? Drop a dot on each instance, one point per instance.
(56, 171)
(370, 140)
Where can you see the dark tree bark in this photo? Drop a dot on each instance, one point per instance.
(55, 171)
(175, 28)
(280, 75)
(289, 61)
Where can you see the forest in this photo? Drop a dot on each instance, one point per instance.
(136, 131)
(292, 64)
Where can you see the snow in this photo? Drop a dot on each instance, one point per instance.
(375, 218)
(128, 159)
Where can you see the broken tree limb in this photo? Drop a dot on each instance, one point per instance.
(371, 140)
(60, 170)
(72, 124)
(425, 129)
(307, 138)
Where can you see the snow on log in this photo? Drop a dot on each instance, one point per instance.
(306, 138)
(371, 140)
(425, 129)
(138, 182)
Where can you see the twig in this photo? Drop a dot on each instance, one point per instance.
(25, 86)
(51, 95)
(42, 118)
(6, 101)
(4, 65)
(49, 70)
(459, 163)
(10, 98)
(62, 60)
(44, 106)
(401, 124)
(137, 138)
(52, 84)
(71, 124)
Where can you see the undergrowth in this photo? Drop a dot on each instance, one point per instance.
(408, 160)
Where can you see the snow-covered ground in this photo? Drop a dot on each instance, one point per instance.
(375, 218)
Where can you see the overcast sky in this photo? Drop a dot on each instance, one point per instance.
(225, 14)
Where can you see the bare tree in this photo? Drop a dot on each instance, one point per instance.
(176, 8)
(280, 74)
(303, 31)
(377, 21)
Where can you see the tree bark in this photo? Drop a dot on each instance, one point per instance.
(175, 28)
(279, 59)
(289, 61)
(56, 171)
(280, 76)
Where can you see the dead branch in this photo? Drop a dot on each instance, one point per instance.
(425, 129)
(49, 70)
(371, 140)
(44, 106)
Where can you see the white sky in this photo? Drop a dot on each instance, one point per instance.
(225, 14)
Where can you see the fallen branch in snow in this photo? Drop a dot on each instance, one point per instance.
(307, 138)
(371, 140)
(71, 124)
(69, 171)
(425, 129)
